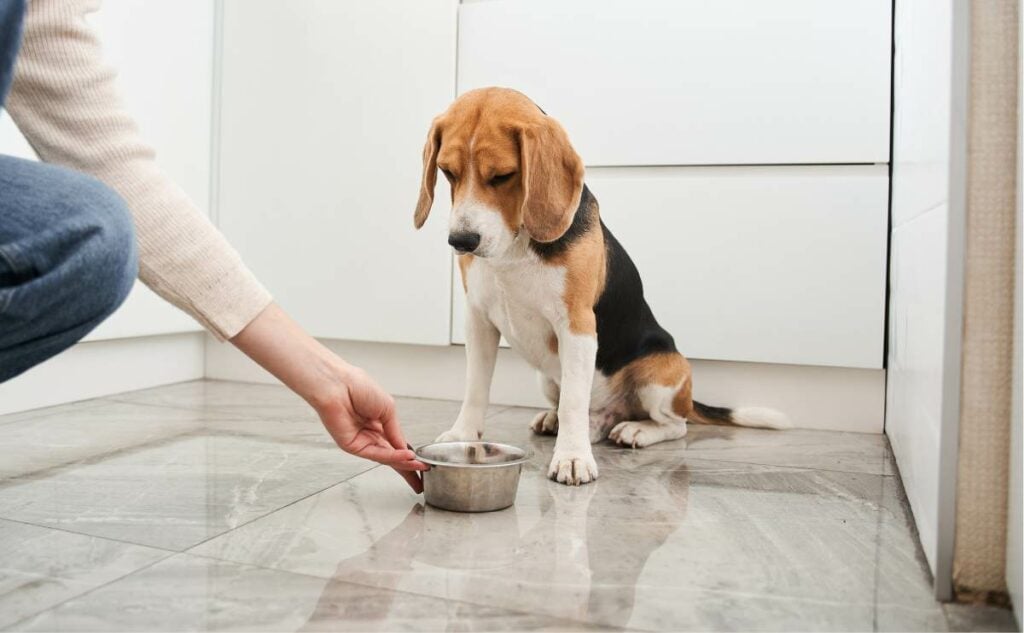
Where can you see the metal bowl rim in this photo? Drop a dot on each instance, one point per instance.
(527, 455)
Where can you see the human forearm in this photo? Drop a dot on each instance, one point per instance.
(359, 415)
(279, 345)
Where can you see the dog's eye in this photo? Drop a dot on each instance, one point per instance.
(447, 174)
(501, 178)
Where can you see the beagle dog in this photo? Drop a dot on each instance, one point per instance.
(539, 267)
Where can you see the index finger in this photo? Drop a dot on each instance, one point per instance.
(392, 428)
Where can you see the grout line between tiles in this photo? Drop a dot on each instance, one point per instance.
(277, 418)
(209, 538)
(700, 590)
(275, 510)
(811, 468)
(299, 574)
(503, 409)
(30, 416)
(195, 409)
(122, 541)
(92, 459)
(878, 555)
(102, 538)
(14, 625)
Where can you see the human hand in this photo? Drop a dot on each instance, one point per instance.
(358, 414)
(362, 420)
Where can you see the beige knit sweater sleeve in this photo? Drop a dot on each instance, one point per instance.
(65, 102)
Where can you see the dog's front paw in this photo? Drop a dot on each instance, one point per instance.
(572, 469)
(546, 423)
(459, 434)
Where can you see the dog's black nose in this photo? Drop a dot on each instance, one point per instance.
(464, 242)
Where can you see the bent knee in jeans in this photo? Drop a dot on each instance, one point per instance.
(68, 259)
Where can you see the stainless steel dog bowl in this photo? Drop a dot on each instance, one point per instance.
(471, 476)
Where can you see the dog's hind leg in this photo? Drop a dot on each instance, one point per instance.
(641, 433)
(601, 423)
(664, 424)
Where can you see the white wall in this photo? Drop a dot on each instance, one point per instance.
(919, 255)
(101, 368)
(827, 398)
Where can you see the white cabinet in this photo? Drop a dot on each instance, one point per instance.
(325, 107)
(166, 85)
(919, 398)
(762, 264)
(694, 82)
(738, 149)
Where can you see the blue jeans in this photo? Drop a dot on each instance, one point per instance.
(67, 260)
(11, 14)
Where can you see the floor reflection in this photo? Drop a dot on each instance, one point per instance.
(567, 552)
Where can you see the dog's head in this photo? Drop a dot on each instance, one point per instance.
(511, 168)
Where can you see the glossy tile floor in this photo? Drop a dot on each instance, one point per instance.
(211, 506)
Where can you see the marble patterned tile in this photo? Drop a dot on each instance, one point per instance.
(441, 413)
(661, 609)
(83, 433)
(198, 594)
(46, 411)
(276, 402)
(903, 576)
(730, 529)
(824, 450)
(220, 396)
(41, 567)
(890, 617)
(828, 450)
(710, 530)
(969, 617)
(177, 493)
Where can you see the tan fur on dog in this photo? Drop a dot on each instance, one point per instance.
(516, 138)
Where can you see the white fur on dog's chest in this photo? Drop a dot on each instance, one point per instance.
(525, 302)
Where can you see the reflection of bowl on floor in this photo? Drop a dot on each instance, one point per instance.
(471, 476)
(488, 540)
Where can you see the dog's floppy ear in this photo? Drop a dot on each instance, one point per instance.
(429, 174)
(552, 177)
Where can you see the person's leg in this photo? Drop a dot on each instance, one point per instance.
(12, 13)
(67, 260)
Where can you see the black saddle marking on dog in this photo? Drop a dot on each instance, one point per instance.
(626, 327)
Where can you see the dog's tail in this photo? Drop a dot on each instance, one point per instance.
(759, 417)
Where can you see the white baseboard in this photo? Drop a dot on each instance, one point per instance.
(830, 398)
(101, 368)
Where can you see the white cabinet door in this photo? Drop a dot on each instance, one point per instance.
(761, 264)
(324, 112)
(163, 52)
(694, 82)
